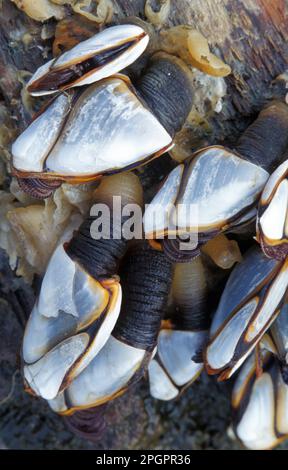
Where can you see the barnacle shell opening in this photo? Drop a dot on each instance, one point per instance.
(100, 56)
(173, 367)
(101, 13)
(224, 252)
(106, 377)
(157, 18)
(70, 301)
(78, 141)
(40, 10)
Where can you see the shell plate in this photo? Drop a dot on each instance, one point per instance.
(98, 57)
(176, 364)
(103, 129)
(208, 195)
(250, 302)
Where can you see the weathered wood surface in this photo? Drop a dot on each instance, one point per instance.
(251, 36)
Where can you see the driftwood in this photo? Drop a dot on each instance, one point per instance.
(250, 35)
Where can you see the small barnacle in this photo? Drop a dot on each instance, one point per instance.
(157, 16)
(193, 48)
(202, 58)
(40, 10)
(224, 252)
(104, 10)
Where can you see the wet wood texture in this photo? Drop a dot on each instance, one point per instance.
(250, 35)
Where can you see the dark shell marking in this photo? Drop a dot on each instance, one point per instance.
(173, 252)
(88, 424)
(62, 79)
(38, 188)
(279, 252)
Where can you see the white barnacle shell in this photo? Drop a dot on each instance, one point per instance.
(60, 339)
(107, 129)
(33, 145)
(249, 304)
(100, 56)
(260, 405)
(210, 193)
(106, 377)
(174, 366)
(41, 10)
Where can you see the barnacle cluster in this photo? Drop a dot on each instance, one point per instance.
(94, 10)
(114, 308)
